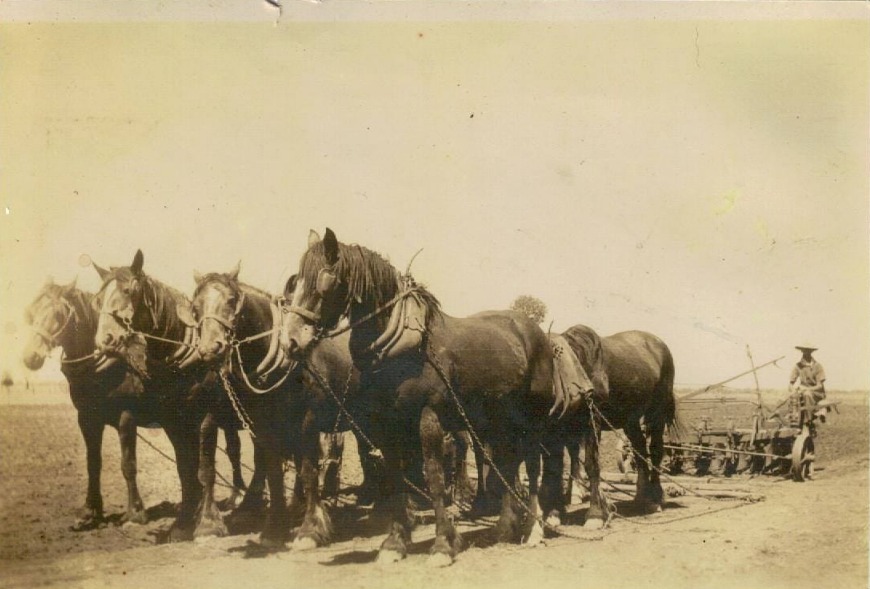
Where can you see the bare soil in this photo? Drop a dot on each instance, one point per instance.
(800, 535)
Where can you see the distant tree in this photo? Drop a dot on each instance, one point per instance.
(6, 381)
(531, 306)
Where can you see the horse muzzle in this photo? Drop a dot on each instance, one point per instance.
(34, 360)
(211, 353)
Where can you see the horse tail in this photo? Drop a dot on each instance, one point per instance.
(670, 413)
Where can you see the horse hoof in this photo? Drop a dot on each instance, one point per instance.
(137, 517)
(305, 543)
(86, 524)
(536, 536)
(271, 544)
(439, 560)
(389, 557)
(593, 524)
(210, 530)
(180, 535)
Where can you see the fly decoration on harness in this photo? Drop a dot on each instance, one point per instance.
(570, 381)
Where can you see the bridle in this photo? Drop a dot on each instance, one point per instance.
(51, 340)
(326, 279)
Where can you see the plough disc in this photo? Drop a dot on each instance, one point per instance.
(802, 457)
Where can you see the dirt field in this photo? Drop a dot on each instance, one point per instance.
(801, 535)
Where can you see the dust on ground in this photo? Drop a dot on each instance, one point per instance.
(801, 535)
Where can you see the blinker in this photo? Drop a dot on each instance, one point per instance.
(325, 281)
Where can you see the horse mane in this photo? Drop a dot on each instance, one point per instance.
(232, 284)
(159, 297)
(368, 275)
(82, 302)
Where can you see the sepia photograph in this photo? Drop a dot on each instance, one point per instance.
(399, 294)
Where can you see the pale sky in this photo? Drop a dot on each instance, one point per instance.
(705, 179)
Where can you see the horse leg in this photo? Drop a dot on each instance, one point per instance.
(248, 516)
(234, 453)
(92, 433)
(533, 534)
(316, 528)
(208, 517)
(638, 443)
(462, 482)
(553, 501)
(447, 541)
(127, 436)
(395, 546)
(487, 498)
(332, 449)
(277, 529)
(657, 453)
(596, 515)
(185, 441)
(506, 461)
(370, 489)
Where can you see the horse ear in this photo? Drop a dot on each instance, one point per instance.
(234, 273)
(313, 238)
(330, 246)
(197, 277)
(138, 262)
(71, 286)
(100, 270)
(185, 313)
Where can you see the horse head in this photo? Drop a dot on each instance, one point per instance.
(315, 298)
(49, 316)
(125, 302)
(217, 302)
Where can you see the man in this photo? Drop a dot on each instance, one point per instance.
(810, 373)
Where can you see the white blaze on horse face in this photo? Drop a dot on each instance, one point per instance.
(109, 331)
(297, 333)
(37, 348)
(214, 304)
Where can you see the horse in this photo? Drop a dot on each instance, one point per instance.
(424, 372)
(138, 323)
(632, 375)
(293, 415)
(64, 316)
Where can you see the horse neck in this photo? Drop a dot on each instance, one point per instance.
(164, 322)
(77, 340)
(254, 318)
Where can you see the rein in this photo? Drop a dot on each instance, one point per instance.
(51, 339)
(245, 378)
(127, 323)
(407, 291)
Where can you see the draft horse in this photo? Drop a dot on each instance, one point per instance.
(289, 409)
(138, 323)
(632, 374)
(424, 372)
(65, 317)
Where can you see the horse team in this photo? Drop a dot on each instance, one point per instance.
(351, 344)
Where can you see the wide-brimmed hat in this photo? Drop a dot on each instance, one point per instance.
(807, 347)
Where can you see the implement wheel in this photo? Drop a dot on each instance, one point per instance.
(803, 455)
